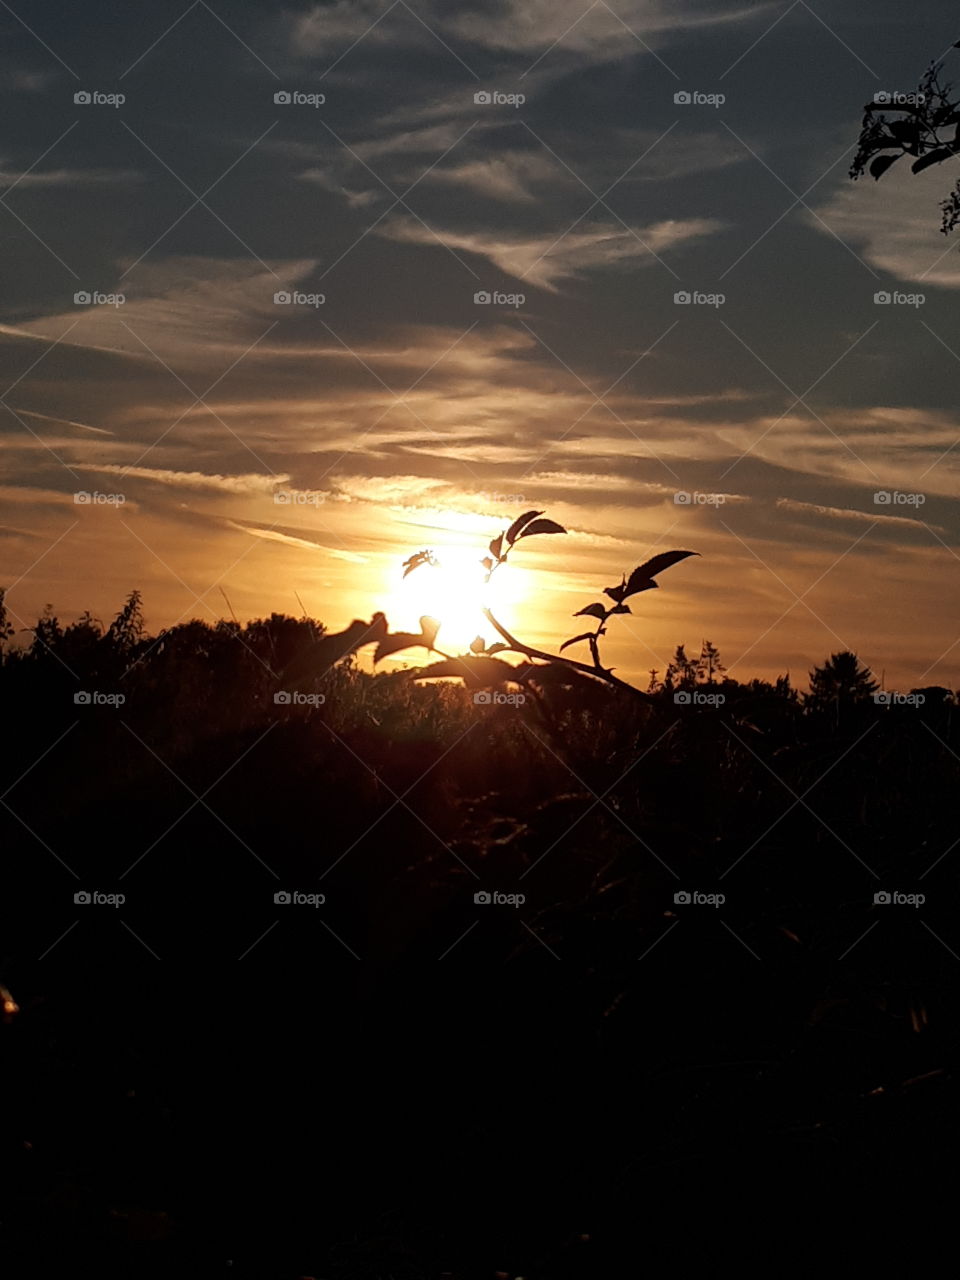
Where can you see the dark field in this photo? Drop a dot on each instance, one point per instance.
(402, 1082)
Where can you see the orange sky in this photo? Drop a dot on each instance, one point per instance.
(397, 411)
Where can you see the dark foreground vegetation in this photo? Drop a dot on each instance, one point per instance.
(403, 1081)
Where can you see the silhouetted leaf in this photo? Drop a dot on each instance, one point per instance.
(429, 627)
(542, 526)
(587, 635)
(417, 559)
(487, 563)
(622, 608)
(592, 611)
(656, 564)
(475, 672)
(881, 164)
(406, 640)
(393, 644)
(642, 577)
(498, 647)
(906, 132)
(514, 531)
(477, 645)
(932, 157)
(496, 546)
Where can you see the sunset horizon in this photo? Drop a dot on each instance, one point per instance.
(232, 443)
(479, 649)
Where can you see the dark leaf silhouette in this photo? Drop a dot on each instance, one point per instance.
(621, 608)
(932, 157)
(393, 644)
(496, 546)
(487, 563)
(477, 645)
(417, 559)
(542, 526)
(656, 564)
(406, 640)
(429, 627)
(514, 531)
(912, 124)
(907, 133)
(587, 635)
(592, 611)
(881, 164)
(475, 672)
(642, 577)
(639, 583)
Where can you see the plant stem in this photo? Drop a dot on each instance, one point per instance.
(597, 673)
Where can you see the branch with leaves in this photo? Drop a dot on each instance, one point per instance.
(642, 579)
(480, 667)
(926, 126)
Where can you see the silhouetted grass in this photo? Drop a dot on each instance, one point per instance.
(405, 1082)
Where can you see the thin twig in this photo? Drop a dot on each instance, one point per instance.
(600, 673)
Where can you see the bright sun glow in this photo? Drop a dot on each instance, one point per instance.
(455, 593)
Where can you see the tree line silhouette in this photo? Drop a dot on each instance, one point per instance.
(799, 1013)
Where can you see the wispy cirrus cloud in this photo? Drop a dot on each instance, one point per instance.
(197, 481)
(68, 177)
(549, 259)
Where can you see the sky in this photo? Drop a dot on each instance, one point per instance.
(586, 167)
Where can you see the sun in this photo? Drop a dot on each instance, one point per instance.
(454, 591)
